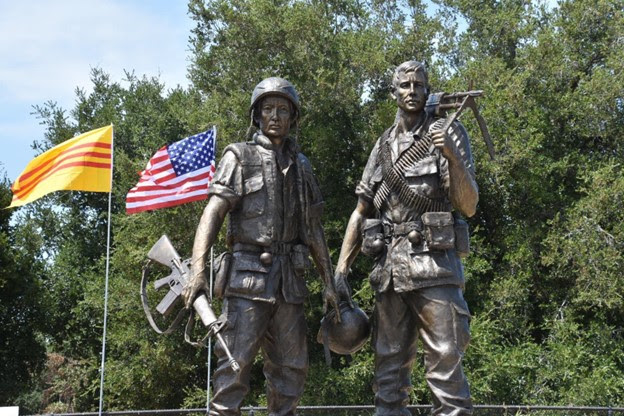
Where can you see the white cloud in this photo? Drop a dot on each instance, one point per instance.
(49, 47)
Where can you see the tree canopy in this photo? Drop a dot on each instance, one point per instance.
(545, 280)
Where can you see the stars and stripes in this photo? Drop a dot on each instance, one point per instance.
(176, 174)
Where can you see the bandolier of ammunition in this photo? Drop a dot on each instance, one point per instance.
(393, 178)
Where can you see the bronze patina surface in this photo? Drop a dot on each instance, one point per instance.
(274, 204)
(418, 181)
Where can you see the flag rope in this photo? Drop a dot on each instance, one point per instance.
(108, 235)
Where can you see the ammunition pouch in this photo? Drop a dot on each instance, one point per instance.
(221, 270)
(435, 231)
(372, 237)
(438, 230)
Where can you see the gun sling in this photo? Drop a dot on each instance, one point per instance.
(148, 311)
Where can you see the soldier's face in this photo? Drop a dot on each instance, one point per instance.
(410, 91)
(275, 115)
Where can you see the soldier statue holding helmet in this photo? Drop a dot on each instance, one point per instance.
(274, 202)
(418, 180)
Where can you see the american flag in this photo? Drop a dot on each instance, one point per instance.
(178, 173)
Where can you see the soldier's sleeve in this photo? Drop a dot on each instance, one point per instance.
(371, 177)
(311, 188)
(462, 141)
(228, 180)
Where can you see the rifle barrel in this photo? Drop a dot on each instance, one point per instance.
(473, 93)
(233, 363)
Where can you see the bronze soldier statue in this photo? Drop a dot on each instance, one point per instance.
(417, 181)
(275, 206)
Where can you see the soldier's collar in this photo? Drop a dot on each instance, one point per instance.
(290, 145)
(418, 130)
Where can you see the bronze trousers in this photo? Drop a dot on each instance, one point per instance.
(280, 331)
(439, 317)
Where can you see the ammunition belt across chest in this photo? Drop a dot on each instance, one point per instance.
(393, 178)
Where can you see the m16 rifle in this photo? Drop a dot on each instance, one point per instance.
(164, 253)
(439, 104)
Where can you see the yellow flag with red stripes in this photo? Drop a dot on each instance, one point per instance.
(83, 163)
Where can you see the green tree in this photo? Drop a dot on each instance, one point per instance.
(145, 117)
(544, 282)
(547, 260)
(22, 310)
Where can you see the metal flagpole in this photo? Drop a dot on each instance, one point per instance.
(211, 294)
(108, 233)
(209, 338)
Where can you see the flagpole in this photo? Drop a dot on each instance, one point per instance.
(209, 338)
(211, 280)
(108, 234)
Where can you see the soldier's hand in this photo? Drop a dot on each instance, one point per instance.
(445, 144)
(331, 298)
(191, 291)
(342, 288)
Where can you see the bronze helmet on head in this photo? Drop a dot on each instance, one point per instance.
(275, 86)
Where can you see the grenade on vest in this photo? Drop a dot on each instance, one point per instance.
(266, 258)
(378, 244)
(414, 237)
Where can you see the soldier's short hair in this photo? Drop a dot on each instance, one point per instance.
(409, 66)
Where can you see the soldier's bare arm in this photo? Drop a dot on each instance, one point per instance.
(205, 236)
(351, 247)
(463, 190)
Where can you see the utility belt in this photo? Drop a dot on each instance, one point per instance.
(298, 253)
(435, 231)
(267, 252)
(412, 228)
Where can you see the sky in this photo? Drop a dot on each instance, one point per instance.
(48, 49)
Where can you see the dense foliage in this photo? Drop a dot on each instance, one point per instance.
(545, 282)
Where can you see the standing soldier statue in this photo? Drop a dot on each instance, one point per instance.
(275, 208)
(418, 180)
